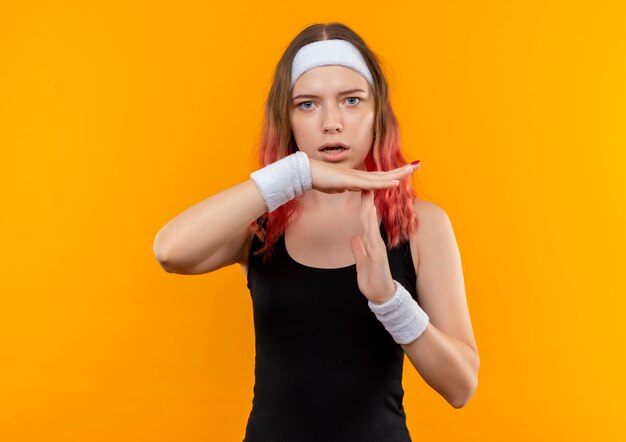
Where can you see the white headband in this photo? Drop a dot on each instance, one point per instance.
(329, 52)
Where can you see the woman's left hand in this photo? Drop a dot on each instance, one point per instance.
(370, 253)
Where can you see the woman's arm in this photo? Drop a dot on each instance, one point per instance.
(445, 354)
(212, 233)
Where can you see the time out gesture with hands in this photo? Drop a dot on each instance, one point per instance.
(369, 250)
(293, 175)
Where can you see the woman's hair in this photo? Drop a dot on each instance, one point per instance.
(395, 204)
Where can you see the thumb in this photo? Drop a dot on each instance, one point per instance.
(358, 250)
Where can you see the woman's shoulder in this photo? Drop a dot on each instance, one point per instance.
(429, 216)
(423, 208)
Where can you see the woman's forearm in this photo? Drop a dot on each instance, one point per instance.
(208, 225)
(448, 365)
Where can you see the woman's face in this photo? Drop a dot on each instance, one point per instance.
(333, 104)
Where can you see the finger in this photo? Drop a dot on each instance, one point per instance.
(379, 180)
(374, 241)
(364, 207)
(371, 218)
(411, 167)
(363, 183)
(358, 250)
(370, 222)
(375, 177)
(405, 170)
(363, 239)
(373, 215)
(370, 200)
(390, 174)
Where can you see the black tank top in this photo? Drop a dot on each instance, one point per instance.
(326, 370)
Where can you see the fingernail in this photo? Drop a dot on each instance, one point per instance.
(415, 163)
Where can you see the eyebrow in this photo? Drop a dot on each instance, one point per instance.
(340, 93)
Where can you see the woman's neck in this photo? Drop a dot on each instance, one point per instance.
(315, 200)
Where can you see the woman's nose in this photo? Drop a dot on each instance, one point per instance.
(332, 121)
(332, 128)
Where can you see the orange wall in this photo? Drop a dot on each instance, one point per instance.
(116, 116)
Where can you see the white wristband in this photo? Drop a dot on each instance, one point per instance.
(402, 317)
(284, 179)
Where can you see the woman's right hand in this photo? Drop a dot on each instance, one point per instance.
(336, 178)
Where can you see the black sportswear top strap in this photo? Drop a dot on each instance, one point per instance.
(325, 368)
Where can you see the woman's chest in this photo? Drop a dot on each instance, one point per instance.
(327, 244)
(321, 246)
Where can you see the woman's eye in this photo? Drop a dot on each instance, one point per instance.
(302, 105)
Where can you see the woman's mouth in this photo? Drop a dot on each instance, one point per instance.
(334, 149)
(334, 153)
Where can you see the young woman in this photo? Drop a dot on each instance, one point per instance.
(326, 231)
